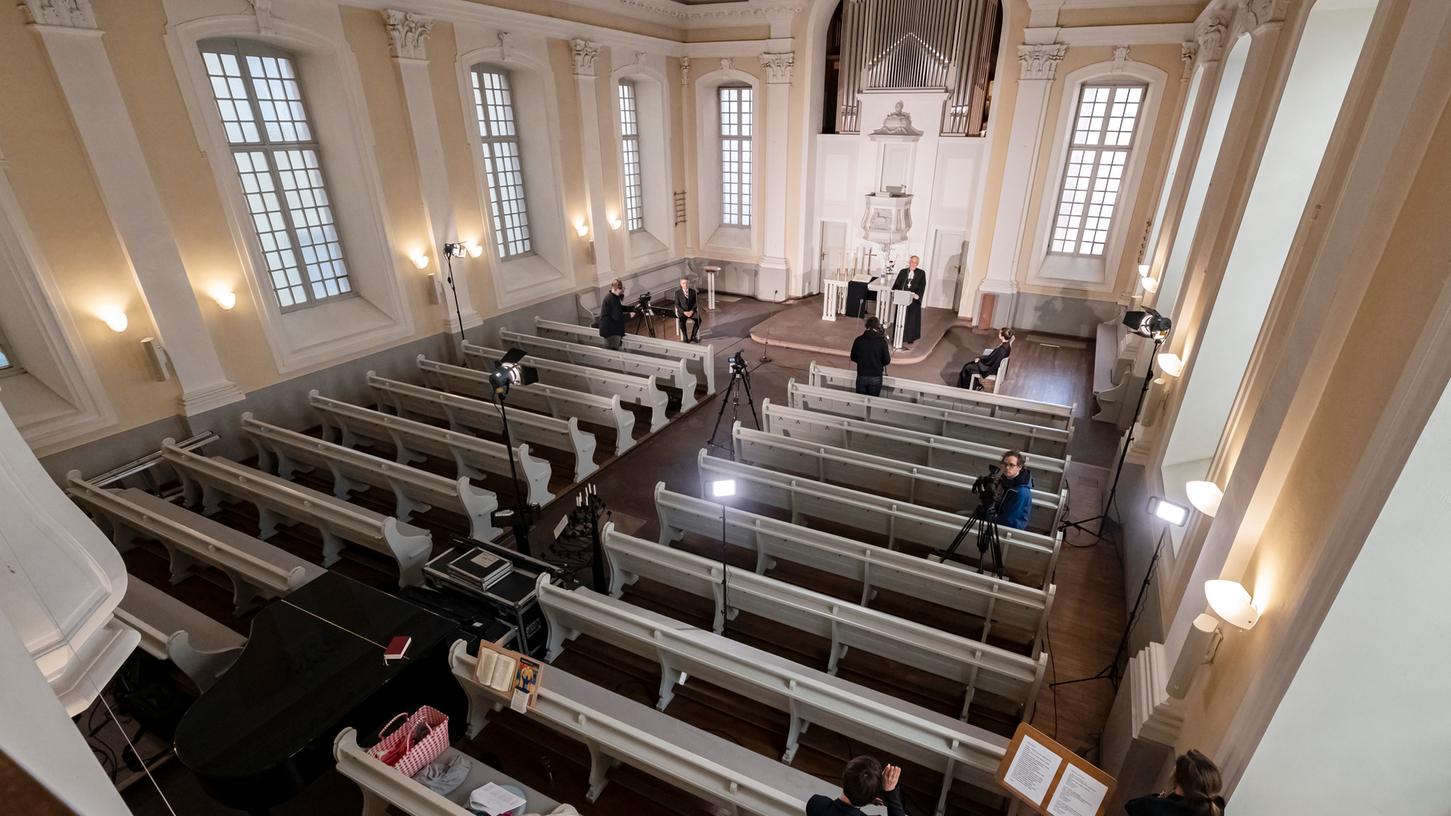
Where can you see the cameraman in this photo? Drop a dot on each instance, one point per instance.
(612, 316)
(871, 355)
(862, 782)
(1017, 491)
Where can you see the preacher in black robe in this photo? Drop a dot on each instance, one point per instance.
(914, 280)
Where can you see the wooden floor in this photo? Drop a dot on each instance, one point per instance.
(1087, 618)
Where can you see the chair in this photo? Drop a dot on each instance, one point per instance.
(1002, 374)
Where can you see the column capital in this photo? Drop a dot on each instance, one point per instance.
(684, 71)
(1187, 53)
(506, 45)
(64, 13)
(1262, 14)
(1210, 32)
(1040, 61)
(778, 67)
(584, 53)
(407, 33)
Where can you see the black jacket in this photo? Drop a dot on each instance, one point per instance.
(684, 301)
(870, 353)
(820, 805)
(612, 316)
(993, 359)
(1171, 805)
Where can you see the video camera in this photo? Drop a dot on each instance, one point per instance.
(738, 364)
(989, 491)
(642, 305)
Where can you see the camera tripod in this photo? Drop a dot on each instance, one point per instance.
(644, 315)
(740, 380)
(984, 520)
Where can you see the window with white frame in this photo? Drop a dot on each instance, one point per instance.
(1098, 154)
(275, 151)
(503, 171)
(630, 157)
(736, 107)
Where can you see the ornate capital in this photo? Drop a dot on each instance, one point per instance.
(727, 64)
(506, 45)
(407, 33)
(68, 13)
(1210, 32)
(778, 67)
(1264, 13)
(1187, 52)
(684, 71)
(1120, 56)
(1040, 61)
(584, 53)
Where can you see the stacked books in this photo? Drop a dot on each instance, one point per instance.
(480, 568)
(495, 670)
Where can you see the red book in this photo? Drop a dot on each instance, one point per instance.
(397, 648)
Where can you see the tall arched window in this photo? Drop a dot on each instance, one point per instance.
(503, 169)
(737, 107)
(275, 150)
(1098, 154)
(630, 157)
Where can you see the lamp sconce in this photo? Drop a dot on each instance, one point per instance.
(615, 222)
(581, 228)
(420, 260)
(157, 360)
(1171, 364)
(226, 299)
(1230, 603)
(1150, 284)
(1205, 496)
(115, 319)
(435, 289)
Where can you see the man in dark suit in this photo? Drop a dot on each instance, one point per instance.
(686, 312)
(871, 355)
(914, 280)
(612, 316)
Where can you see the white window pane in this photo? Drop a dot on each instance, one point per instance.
(499, 146)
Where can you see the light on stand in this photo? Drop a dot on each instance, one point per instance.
(1167, 511)
(1204, 496)
(722, 488)
(1147, 323)
(1171, 364)
(508, 372)
(1231, 603)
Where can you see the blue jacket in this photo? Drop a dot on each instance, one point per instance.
(1017, 502)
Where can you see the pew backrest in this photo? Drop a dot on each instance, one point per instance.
(699, 358)
(203, 648)
(668, 373)
(641, 391)
(986, 403)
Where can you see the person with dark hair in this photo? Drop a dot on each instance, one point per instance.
(871, 355)
(1017, 483)
(863, 782)
(1196, 791)
(686, 312)
(988, 366)
(612, 316)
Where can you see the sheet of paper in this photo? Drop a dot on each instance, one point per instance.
(519, 702)
(1078, 794)
(1032, 770)
(493, 800)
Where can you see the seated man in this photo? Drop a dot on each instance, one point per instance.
(862, 782)
(686, 310)
(1017, 484)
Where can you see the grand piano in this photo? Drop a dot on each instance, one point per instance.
(313, 665)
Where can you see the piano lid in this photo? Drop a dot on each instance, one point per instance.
(312, 665)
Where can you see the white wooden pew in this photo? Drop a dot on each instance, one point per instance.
(903, 445)
(618, 730)
(880, 475)
(941, 395)
(1001, 433)
(668, 373)
(170, 630)
(698, 357)
(996, 601)
(414, 490)
(959, 750)
(257, 569)
(642, 391)
(415, 441)
(977, 666)
(384, 786)
(465, 414)
(279, 501)
(556, 401)
(1030, 556)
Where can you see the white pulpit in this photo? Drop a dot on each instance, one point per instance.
(900, 299)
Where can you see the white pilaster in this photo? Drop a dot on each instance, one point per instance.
(1038, 64)
(134, 204)
(584, 54)
(773, 274)
(407, 41)
(687, 132)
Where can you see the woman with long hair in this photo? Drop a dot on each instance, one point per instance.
(1196, 791)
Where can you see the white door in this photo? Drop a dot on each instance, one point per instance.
(831, 254)
(944, 280)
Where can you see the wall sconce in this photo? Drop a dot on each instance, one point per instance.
(115, 319)
(225, 298)
(1231, 603)
(1205, 496)
(1143, 270)
(1200, 647)
(615, 222)
(581, 228)
(420, 260)
(1151, 285)
(1170, 364)
(473, 249)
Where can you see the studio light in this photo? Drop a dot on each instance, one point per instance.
(1147, 323)
(115, 320)
(1170, 364)
(1231, 603)
(1204, 496)
(1167, 511)
(508, 371)
(722, 488)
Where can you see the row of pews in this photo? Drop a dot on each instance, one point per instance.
(832, 533)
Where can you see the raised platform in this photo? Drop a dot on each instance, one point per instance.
(799, 326)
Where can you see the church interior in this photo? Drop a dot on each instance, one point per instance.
(453, 407)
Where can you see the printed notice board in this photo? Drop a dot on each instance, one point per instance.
(1052, 779)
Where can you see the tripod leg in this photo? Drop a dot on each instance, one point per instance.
(725, 400)
(751, 401)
